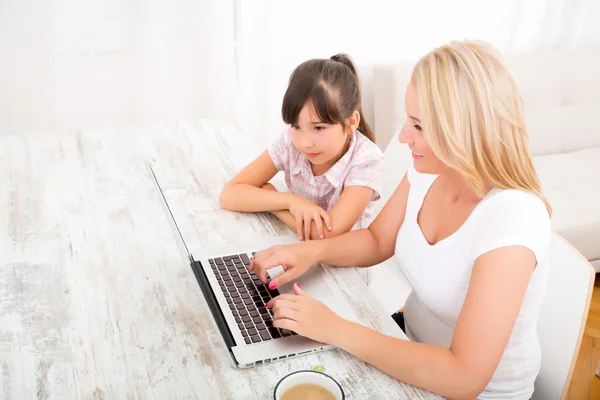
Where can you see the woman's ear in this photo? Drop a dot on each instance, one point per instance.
(353, 121)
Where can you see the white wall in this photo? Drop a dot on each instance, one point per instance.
(72, 64)
(288, 32)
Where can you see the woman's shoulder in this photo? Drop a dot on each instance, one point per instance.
(511, 217)
(513, 210)
(512, 201)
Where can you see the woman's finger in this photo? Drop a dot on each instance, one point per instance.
(287, 297)
(285, 313)
(288, 324)
(289, 275)
(284, 303)
(262, 265)
(260, 255)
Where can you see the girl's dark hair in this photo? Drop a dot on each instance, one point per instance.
(334, 89)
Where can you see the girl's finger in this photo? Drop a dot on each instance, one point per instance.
(307, 226)
(299, 226)
(327, 219)
(319, 224)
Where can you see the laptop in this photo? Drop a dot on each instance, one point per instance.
(237, 298)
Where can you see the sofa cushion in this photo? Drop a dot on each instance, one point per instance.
(562, 128)
(571, 181)
(561, 93)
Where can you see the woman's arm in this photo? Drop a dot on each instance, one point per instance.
(244, 191)
(360, 248)
(367, 247)
(344, 214)
(496, 290)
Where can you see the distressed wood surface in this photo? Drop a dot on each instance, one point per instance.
(96, 298)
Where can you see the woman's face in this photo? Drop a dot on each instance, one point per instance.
(425, 160)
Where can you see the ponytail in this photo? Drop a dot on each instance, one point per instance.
(363, 125)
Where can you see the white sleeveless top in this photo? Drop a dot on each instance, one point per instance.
(439, 275)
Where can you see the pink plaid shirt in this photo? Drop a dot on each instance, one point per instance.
(360, 166)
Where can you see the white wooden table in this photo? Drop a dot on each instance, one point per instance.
(96, 298)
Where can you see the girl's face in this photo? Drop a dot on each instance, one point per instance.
(411, 134)
(323, 144)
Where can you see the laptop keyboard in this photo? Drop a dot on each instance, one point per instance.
(247, 297)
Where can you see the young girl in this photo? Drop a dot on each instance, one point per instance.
(332, 166)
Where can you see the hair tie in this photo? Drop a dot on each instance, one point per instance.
(335, 58)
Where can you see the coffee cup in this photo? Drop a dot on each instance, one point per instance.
(301, 382)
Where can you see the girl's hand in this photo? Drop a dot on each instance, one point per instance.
(306, 316)
(305, 212)
(295, 259)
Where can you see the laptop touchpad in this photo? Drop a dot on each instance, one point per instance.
(311, 282)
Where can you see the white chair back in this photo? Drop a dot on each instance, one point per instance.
(562, 319)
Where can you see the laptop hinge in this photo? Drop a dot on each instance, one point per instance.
(213, 304)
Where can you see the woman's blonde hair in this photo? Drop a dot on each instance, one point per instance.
(472, 117)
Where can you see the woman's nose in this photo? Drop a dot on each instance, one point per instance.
(404, 136)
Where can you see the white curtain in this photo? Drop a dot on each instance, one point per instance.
(275, 36)
(73, 64)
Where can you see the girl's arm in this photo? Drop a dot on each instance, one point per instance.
(244, 191)
(496, 290)
(344, 214)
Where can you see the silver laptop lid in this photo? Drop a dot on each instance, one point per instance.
(171, 217)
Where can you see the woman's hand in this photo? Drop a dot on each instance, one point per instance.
(294, 258)
(306, 316)
(305, 212)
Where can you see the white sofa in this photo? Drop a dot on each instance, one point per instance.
(561, 92)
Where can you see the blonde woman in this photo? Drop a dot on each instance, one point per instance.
(468, 226)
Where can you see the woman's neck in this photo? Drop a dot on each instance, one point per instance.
(458, 187)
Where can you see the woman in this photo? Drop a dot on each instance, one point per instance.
(469, 227)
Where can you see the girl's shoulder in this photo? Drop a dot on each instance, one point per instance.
(365, 151)
(283, 152)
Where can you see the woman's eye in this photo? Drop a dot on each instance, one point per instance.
(418, 127)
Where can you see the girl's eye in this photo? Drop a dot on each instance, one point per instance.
(418, 127)
(319, 128)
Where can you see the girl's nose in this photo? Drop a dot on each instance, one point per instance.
(308, 144)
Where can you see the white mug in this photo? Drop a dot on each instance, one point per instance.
(314, 377)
